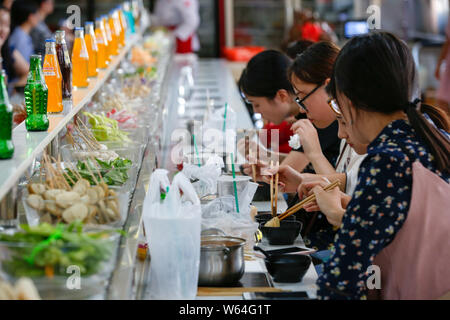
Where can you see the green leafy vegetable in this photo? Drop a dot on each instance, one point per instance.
(115, 173)
(87, 250)
(106, 129)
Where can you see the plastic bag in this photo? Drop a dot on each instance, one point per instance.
(216, 119)
(207, 175)
(173, 228)
(221, 214)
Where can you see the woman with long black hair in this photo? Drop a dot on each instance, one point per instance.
(373, 86)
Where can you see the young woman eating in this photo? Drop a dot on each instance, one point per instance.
(373, 86)
(267, 88)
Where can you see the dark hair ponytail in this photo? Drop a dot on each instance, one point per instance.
(265, 75)
(315, 64)
(377, 73)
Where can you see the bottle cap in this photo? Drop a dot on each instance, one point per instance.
(88, 23)
(50, 40)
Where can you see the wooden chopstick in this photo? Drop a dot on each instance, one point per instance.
(254, 172)
(276, 191)
(271, 192)
(306, 201)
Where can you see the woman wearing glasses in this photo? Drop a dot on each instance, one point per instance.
(330, 158)
(379, 113)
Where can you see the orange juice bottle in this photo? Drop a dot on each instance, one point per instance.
(115, 33)
(123, 25)
(119, 27)
(80, 60)
(102, 62)
(53, 77)
(110, 46)
(92, 48)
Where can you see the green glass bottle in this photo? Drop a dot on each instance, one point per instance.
(36, 95)
(6, 121)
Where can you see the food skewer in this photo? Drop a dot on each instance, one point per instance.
(275, 222)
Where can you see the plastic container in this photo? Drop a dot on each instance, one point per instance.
(71, 282)
(34, 215)
(132, 151)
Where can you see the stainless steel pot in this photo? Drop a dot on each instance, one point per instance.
(221, 261)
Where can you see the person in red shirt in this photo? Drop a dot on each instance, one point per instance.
(265, 85)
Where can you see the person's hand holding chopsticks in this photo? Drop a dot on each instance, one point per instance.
(331, 203)
(289, 179)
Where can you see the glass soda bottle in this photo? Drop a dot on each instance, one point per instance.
(36, 95)
(92, 48)
(6, 121)
(80, 60)
(53, 78)
(129, 16)
(110, 46)
(114, 34)
(65, 65)
(100, 36)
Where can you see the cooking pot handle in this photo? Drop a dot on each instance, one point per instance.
(226, 251)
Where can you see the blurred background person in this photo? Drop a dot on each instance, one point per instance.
(12, 60)
(7, 4)
(183, 18)
(443, 93)
(24, 17)
(42, 32)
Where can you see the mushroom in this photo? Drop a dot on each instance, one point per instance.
(36, 202)
(25, 290)
(6, 291)
(113, 205)
(111, 214)
(78, 211)
(52, 208)
(100, 192)
(93, 195)
(85, 199)
(67, 199)
(36, 188)
(52, 194)
(81, 187)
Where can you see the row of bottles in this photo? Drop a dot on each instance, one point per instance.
(50, 83)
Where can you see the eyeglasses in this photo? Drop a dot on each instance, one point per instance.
(300, 102)
(335, 106)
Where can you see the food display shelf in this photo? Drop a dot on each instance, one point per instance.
(28, 145)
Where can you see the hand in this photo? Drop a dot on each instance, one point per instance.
(308, 137)
(331, 204)
(310, 181)
(437, 73)
(254, 150)
(261, 168)
(288, 178)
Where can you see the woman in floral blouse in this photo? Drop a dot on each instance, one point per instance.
(373, 81)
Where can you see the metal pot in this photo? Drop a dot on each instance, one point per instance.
(221, 261)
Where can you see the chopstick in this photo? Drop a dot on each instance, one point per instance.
(271, 192)
(306, 201)
(276, 190)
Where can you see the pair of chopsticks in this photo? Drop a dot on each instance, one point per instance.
(306, 201)
(247, 146)
(274, 192)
